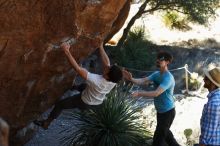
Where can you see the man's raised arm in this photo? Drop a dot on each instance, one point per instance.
(139, 81)
(81, 71)
(104, 57)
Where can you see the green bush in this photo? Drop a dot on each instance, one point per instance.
(115, 123)
(174, 21)
(188, 133)
(135, 53)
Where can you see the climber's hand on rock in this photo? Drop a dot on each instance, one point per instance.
(65, 47)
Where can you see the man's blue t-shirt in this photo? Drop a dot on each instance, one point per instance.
(165, 101)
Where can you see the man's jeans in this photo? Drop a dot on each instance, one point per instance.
(162, 135)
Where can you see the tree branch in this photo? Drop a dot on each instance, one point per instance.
(131, 22)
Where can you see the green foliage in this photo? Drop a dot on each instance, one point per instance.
(189, 141)
(200, 10)
(135, 51)
(196, 10)
(114, 123)
(188, 132)
(174, 20)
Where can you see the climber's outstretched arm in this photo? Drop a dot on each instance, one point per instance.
(104, 58)
(80, 70)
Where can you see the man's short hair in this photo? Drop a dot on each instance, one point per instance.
(115, 74)
(165, 56)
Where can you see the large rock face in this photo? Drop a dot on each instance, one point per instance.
(30, 79)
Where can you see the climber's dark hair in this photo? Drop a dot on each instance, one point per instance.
(115, 74)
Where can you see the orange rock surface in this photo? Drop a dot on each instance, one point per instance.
(31, 80)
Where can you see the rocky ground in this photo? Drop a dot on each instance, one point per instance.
(188, 113)
(54, 134)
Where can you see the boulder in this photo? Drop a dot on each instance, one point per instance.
(31, 79)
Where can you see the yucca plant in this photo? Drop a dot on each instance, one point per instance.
(115, 123)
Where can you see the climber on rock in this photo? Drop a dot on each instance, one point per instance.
(93, 94)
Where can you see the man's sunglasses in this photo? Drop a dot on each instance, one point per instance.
(161, 59)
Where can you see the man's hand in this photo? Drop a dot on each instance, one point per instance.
(127, 75)
(104, 58)
(135, 94)
(65, 47)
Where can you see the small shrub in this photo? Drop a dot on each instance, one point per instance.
(174, 21)
(189, 141)
(114, 123)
